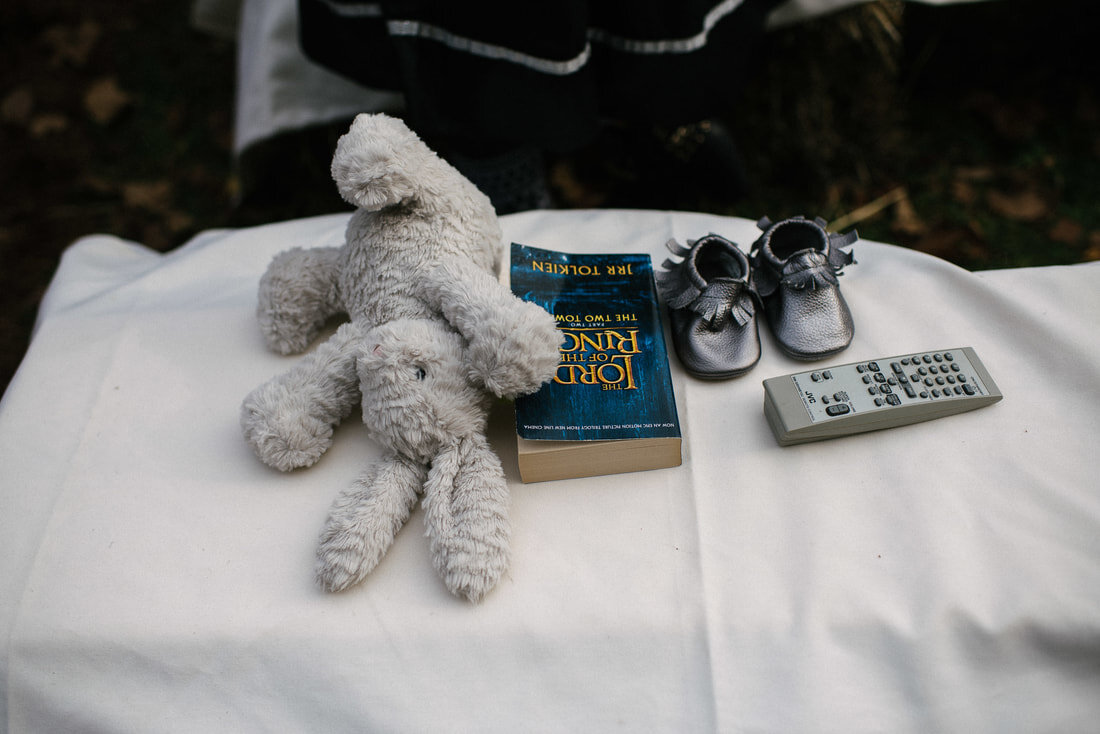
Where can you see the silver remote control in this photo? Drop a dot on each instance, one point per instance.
(878, 393)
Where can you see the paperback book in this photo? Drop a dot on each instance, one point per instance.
(610, 408)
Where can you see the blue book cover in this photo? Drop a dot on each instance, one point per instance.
(613, 381)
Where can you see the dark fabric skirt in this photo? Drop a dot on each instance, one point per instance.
(489, 76)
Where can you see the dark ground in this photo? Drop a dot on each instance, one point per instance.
(970, 132)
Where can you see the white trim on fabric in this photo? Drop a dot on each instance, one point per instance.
(354, 10)
(419, 29)
(488, 50)
(667, 45)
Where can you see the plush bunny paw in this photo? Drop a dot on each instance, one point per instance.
(297, 295)
(517, 352)
(284, 435)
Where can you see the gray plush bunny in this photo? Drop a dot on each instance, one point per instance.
(432, 334)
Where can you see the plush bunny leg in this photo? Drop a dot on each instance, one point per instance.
(466, 513)
(513, 344)
(297, 295)
(365, 519)
(289, 419)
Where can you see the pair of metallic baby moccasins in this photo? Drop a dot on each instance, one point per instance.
(715, 292)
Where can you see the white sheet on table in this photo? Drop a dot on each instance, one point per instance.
(939, 577)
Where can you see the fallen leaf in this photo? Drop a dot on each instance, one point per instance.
(1092, 252)
(870, 209)
(155, 196)
(906, 220)
(974, 173)
(105, 99)
(233, 187)
(1066, 231)
(177, 221)
(1024, 206)
(47, 124)
(963, 191)
(72, 45)
(17, 106)
(99, 184)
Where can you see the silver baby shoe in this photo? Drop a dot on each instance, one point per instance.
(712, 308)
(795, 267)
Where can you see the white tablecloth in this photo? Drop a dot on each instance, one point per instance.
(945, 576)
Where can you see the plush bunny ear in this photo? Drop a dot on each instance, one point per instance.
(377, 162)
(466, 513)
(364, 521)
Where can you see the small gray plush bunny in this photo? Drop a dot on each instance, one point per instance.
(432, 334)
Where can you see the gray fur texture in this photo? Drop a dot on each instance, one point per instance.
(431, 334)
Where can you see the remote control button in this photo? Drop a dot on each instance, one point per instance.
(923, 385)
